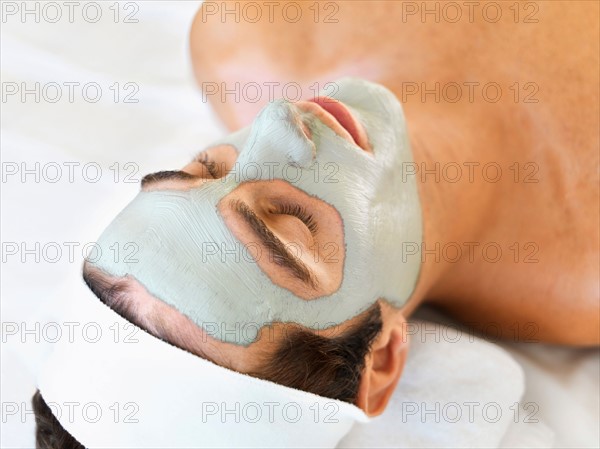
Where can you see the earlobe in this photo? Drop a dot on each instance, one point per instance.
(383, 366)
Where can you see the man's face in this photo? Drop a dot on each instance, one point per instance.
(296, 219)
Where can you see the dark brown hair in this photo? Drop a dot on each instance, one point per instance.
(328, 367)
(49, 434)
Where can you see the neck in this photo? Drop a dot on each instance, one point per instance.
(452, 204)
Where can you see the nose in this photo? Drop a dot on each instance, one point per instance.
(279, 137)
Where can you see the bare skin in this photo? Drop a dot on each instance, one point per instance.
(542, 213)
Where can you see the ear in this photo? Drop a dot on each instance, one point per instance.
(384, 364)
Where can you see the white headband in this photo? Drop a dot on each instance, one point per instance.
(129, 389)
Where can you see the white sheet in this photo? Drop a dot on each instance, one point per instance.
(167, 125)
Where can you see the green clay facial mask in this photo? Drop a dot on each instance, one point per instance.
(188, 257)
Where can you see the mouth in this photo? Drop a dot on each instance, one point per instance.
(335, 115)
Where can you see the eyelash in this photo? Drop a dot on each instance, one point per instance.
(211, 166)
(299, 212)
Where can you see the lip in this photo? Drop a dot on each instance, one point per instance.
(334, 114)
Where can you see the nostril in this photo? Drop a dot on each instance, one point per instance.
(301, 124)
(279, 135)
(305, 129)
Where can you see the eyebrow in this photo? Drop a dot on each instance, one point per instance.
(111, 294)
(280, 254)
(167, 175)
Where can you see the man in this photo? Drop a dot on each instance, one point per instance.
(508, 235)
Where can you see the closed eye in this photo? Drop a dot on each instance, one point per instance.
(298, 211)
(210, 165)
(214, 162)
